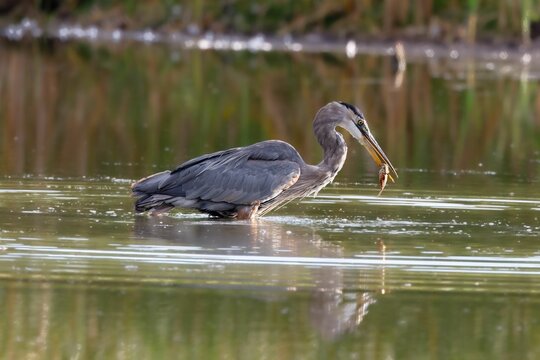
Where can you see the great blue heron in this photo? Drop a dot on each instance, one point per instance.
(247, 181)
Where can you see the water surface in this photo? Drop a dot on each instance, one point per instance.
(444, 264)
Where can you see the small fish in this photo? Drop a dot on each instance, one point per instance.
(384, 172)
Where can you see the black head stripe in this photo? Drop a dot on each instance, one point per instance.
(353, 108)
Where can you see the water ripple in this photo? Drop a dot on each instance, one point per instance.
(464, 264)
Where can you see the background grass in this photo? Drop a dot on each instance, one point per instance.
(444, 20)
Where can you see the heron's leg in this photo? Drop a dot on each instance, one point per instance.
(247, 212)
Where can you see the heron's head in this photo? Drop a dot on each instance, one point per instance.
(352, 119)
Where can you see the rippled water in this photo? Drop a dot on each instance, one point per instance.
(341, 273)
(444, 264)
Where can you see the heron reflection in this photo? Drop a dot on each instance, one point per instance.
(334, 308)
(247, 181)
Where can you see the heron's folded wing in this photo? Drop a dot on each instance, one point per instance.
(238, 181)
(213, 158)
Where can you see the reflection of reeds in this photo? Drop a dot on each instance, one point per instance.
(79, 111)
(59, 321)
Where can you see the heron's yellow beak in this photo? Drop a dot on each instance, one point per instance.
(375, 150)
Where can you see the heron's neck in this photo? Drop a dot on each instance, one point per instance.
(335, 148)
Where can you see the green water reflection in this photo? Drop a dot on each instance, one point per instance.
(78, 110)
(444, 265)
(348, 274)
(66, 321)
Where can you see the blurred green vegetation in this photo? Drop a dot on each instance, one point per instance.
(75, 109)
(465, 20)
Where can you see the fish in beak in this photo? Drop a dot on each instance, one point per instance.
(374, 149)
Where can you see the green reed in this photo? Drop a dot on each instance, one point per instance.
(465, 20)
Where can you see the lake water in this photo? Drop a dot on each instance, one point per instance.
(445, 264)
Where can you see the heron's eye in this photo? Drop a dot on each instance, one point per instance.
(360, 122)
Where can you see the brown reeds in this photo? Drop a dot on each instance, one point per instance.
(79, 111)
(457, 20)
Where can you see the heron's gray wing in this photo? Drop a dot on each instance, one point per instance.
(239, 176)
(206, 158)
(252, 181)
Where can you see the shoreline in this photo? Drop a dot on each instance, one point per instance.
(417, 50)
